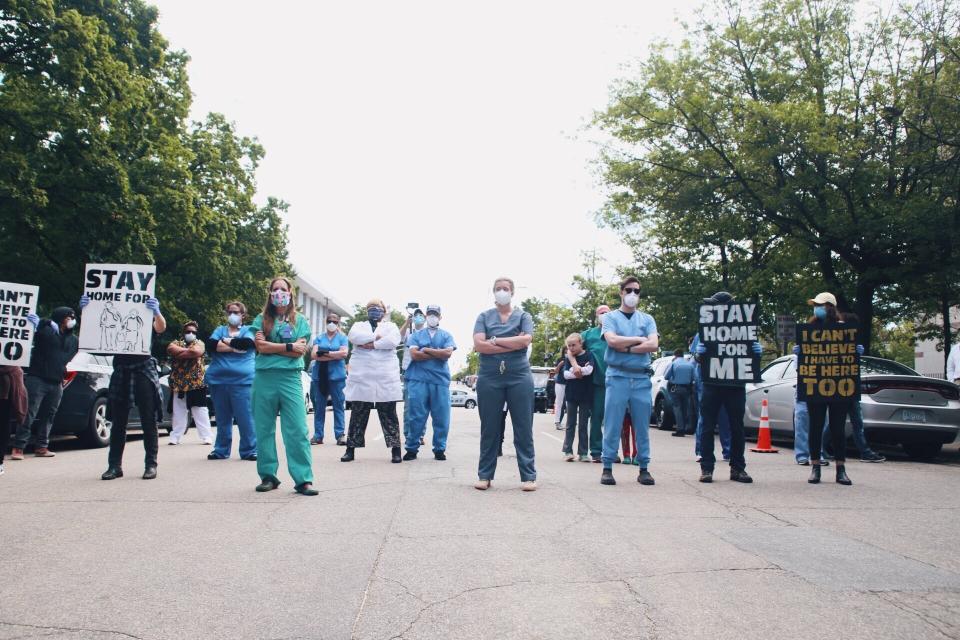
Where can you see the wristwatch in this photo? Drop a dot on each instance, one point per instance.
(289, 347)
(629, 347)
(493, 340)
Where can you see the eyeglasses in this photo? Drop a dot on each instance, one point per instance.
(632, 290)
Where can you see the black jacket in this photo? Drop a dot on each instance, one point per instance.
(52, 350)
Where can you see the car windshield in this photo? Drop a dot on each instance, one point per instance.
(878, 366)
(540, 379)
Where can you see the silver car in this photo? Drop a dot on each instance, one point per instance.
(899, 405)
(463, 398)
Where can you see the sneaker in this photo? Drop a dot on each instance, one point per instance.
(316, 440)
(43, 452)
(597, 459)
(481, 485)
(342, 441)
(16, 454)
(173, 443)
(584, 458)
(617, 460)
(206, 441)
(803, 462)
(1, 469)
(706, 476)
(678, 434)
(568, 457)
(645, 477)
(215, 456)
(607, 477)
(439, 455)
(628, 460)
(410, 455)
(636, 462)
(252, 457)
(699, 458)
(529, 485)
(740, 475)
(872, 456)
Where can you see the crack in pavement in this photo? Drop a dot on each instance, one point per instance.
(924, 617)
(72, 629)
(732, 509)
(775, 517)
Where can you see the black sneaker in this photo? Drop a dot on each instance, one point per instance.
(678, 434)
(872, 456)
(439, 455)
(645, 477)
(706, 476)
(410, 455)
(740, 475)
(341, 441)
(607, 477)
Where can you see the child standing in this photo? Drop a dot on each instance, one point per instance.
(578, 372)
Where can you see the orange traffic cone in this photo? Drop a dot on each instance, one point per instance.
(763, 435)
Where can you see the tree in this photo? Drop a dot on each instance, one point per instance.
(552, 323)
(784, 126)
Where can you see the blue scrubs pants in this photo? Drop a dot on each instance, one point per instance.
(622, 393)
(337, 400)
(233, 402)
(423, 399)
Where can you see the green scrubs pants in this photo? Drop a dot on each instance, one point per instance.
(281, 392)
(596, 420)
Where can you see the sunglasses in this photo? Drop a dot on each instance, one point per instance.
(632, 290)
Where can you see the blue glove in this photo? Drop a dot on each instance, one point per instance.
(84, 301)
(33, 319)
(757, 349)
(796, 349)
(154, 305)
(860, 349)
(701, 349)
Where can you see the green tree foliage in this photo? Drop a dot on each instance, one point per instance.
(98, 163)
(552, 323)
(469, 369)
(783, 148)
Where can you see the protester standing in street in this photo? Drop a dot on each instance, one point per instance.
(594, 343)
(501, 336)
(414, 322)
(230, 377)
(281, 336)
(54, 345)
(374, 380)
(428, 385)
(13, 404)
(328, 378)
(134, 375)
(577, 370)
(680, 379)
(188, 390)
(631, 337)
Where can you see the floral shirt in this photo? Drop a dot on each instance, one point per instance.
(187, 375)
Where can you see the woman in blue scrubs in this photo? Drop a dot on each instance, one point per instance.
(501, 336)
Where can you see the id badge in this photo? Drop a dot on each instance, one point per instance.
(286, 332)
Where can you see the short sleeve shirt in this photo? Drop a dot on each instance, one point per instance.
(489, 324)
(283, 333)
(629, 365)
(433, 371)
(336, 369)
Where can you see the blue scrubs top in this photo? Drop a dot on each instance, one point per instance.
(680, 372)
(231, 368)
(628, 365)
(489, 324)
(433, 371)
(336, 369)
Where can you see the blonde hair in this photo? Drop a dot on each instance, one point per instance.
(376, 302)
(513, 287)
(575, 336)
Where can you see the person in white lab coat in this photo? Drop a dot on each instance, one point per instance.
(374, 379)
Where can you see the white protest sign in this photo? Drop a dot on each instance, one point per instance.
(16, 334)
(117, 319)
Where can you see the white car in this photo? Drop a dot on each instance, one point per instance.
(463, 398)
(307, 396)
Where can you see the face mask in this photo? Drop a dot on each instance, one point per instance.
(189, 337)
(331, 326)
(280, 298)
(433, 321)
(600, 319)
(375, 314)
(502, 296)
(820, 313)
(631, 300)
(71, 323)
(418, 321)
(234, 319)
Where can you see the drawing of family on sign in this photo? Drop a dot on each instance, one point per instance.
(119, 333)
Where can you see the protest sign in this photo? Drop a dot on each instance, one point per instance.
(828, 366)
(117, 320)
(16, 333)
(728, 331)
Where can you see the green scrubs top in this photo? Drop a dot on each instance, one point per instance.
(283, 332)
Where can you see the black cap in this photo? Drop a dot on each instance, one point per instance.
(720, 297)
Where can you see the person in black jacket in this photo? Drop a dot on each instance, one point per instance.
(577, 370)
(54, 345)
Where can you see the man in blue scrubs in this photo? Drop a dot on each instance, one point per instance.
(631, 336)
(428, 385)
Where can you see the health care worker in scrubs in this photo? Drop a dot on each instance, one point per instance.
(328, 377)
(374, 380)
(428, 385)
(501, 336)
(593, 342)
(631, 337)
(230, 379)
(281, 338)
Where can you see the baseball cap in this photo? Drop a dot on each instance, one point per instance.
(432, 308)
(823, 298)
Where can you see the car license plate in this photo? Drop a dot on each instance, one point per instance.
(911, 415)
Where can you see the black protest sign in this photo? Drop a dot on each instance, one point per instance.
(828, 367)
(728, 330)
(17, 301)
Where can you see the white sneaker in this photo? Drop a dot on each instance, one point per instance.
(528, 485)
(206, 441)
(699, 458)
(1, 469)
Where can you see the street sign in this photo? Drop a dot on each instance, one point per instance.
(786, 328)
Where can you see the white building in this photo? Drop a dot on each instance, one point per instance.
(927, 359)
(316, 303)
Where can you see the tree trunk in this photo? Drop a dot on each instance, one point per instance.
(863, 307)
(947, 329)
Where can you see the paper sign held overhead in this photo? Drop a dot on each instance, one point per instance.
(117, 320)
(17, 301)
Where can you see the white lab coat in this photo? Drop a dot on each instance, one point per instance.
(953, 363)
(374, 374)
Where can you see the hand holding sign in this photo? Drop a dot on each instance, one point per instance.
(116, 302)
(828, 366)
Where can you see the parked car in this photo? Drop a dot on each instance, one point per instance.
(307, 396)
(662, 415)
(541, 377)
(83, 408)
(462, 398)
(900, 407)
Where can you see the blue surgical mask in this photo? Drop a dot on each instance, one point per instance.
(418, 320)
(234, 319)
(375, 313)
(820, 313)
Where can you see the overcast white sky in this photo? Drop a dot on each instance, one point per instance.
(424, 147)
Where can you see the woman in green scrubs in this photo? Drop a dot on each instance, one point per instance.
(281, 339)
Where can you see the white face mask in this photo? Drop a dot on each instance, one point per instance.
(433, 321)
(234, 319)
(502, 296)
(189, 337)
(331, 326)
(631, 300)
(71, 323)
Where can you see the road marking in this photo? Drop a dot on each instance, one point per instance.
(550, 435)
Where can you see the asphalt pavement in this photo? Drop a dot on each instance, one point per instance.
(413, 551)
